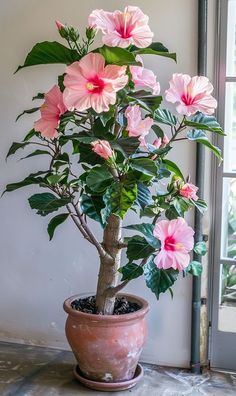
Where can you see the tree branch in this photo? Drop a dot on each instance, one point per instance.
(122, 245)
(114, 290)
(102, 252)
(77, 223)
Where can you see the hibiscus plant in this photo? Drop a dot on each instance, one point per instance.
(99, 161)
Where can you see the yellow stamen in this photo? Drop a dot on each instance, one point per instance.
(179, 246)
(90, 86)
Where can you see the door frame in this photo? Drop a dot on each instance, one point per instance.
(217, 337)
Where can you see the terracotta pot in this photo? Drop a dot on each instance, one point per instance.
(107, 348)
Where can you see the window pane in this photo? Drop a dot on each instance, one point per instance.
(227, 304)
(228, 285)
(228, 243)
(230, 128)
(231, 40)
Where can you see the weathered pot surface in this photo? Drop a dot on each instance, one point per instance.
(110, 386)
(106, 347)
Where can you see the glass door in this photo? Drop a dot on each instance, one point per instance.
(223, 340)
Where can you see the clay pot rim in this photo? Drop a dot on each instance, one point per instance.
(111, 318)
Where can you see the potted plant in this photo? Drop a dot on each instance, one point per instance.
(93, 132)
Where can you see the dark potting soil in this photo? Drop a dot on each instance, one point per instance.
(88, 305)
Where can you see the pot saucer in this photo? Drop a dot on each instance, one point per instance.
(109, 386)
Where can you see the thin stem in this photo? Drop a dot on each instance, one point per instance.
(184, 138)
(41, 144)
(178, 130)
(116, 126)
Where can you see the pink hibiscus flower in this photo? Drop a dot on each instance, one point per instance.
(176, 242)
(144, 77)
(102, 148)
(193, 94)
(135, 125)
(122, 29)
(51, 110)
(189, 191)
(89, 83)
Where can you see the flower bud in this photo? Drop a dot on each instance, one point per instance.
(73, 34)
(102, 148)
(90, 33)
(62, 29)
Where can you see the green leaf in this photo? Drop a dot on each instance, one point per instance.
(86, 154)
(158, 280)
(38, 96)
(205, 122)
(138, 248)
(150, 211)
(55, 179)
(162, 172)
(127, 146)
(205, 141)
(29, 111)
(55, 222)
(158, 131)
(46, 203)
(119, 198)
(194, 268)
(107, 115)
(60, 81)
(196, 134)
(200, 248)
(172, 167)
(92, 206)
(165, 117)
(148, 103)
(118, 56)
(232, 280)
(99, 178)
(181, 206)
(155, 49)
(36, 152)
(30, 134)
(48, 53)
(31, 179)
(171, 213)
(79, 138)
(147, 230)
(200, 205)
(130, 271)
(16, 146)
(144, 197)
(144, 165)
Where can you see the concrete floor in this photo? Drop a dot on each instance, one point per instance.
(34, 371)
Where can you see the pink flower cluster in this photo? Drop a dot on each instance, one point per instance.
(90, 83)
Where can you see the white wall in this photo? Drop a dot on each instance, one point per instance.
(37, 275)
